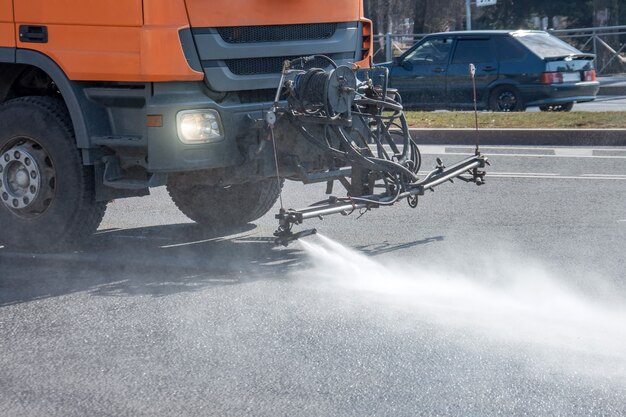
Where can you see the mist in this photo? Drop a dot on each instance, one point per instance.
(510, 302)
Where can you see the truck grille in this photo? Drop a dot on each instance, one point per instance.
(257, 96)
(272, 65)
(246, 58)
(257, 34)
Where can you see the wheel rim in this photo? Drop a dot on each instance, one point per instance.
(507, 101)
(27, 178)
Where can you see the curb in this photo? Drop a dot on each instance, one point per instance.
(521, 137)
(612, 90)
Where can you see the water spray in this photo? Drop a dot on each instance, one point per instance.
(515, 303)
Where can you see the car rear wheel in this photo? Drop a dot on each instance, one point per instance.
(506, 98)
(558, 107)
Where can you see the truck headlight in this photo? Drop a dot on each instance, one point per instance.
(199, 126)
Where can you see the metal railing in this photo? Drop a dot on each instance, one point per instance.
(608, 44)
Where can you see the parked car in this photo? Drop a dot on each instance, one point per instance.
(514, 70)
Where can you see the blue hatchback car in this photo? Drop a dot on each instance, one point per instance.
(514, 70)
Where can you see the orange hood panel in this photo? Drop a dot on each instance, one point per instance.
(217, 13)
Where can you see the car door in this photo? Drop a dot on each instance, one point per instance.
(480, 52)
(420, 75)
(89, 39)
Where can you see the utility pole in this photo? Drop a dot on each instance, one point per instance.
(468, 14)
(479, 3)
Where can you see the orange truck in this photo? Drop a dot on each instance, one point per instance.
(104, 99)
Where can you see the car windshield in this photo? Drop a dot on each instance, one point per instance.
(545, 45)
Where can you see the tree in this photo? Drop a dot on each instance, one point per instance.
(419, 16)
(581, 15)
(442, 15)
(507, 14)
(516, 14)
(607, 12)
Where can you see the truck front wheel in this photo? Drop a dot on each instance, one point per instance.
(222, 207)
(47, 197)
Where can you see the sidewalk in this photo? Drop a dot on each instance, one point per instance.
(612, 85)
(521, 137)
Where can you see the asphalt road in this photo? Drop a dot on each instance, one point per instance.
(501, 300)
(601, 103)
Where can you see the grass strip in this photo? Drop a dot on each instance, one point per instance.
(525, 120)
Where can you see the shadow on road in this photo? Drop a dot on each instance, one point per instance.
(386, 247)
(156, 261)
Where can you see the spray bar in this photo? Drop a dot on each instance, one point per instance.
(348, 120)
(440, 175)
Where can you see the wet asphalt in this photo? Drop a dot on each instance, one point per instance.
(158, 317)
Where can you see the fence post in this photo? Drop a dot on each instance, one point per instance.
(388, 47)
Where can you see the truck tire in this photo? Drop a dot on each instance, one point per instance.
(222, 207)
(47, 196)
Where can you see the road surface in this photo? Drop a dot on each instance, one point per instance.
(601, 103)
(501, 300)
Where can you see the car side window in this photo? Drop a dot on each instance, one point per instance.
(510, 49)
(435, 51)
(473, 51)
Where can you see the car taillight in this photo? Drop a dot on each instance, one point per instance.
(590, 75)
(552, 78)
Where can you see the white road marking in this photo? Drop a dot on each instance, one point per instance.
(527, 173)
(512, 174)
(604, 175)
(432, 149)
(558, 152)
(573, 152)
(516, 155)
(560, 177)
(138, 237)
(236, 236)
(104, 231)
(197, 242)
(534, 148)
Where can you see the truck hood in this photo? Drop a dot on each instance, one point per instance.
(220, 13)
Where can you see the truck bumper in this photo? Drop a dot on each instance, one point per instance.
(167, 153)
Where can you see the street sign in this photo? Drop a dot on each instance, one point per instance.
(482, 3)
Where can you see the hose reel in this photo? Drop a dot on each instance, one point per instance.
(333, 91)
